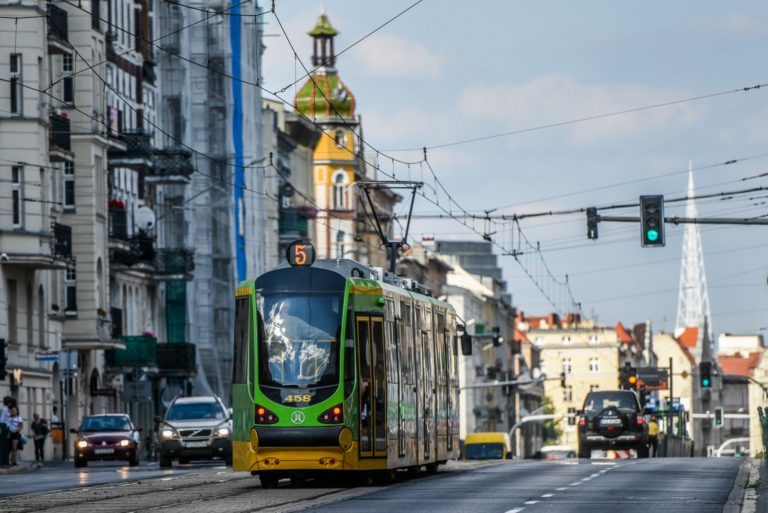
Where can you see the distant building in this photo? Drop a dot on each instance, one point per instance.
(742, 394)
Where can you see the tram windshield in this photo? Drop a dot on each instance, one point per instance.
(299, 338)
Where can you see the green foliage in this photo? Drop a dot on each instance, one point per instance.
(551, 431)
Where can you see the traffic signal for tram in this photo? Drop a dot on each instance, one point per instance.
(705, 374)
(652, 221)
(719, 416)
(592, 220)
(497, 338)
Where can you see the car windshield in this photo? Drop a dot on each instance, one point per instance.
(484, 451)
(105, 424)
(299, 338)
(598, 401)
(196, 411)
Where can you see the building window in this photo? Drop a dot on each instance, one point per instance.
(567, 366)
(17, 195)
(340, 138)
(338, 190)
(70, 286)
(69, 185)
(568, 394)
(592, 388)
(593, 339)
(566, 339)
(594, 365)
(68, 80)
(17, 95)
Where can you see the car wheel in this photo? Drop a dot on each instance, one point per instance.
(183, 461)
(81, 463)
(134, 459)
(165, 461)
(643, 451)
(585, 452)
(228, 460)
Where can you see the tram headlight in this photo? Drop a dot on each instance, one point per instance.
(333, 415)
(264, 416)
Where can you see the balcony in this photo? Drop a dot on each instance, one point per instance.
(172, 165)
(58, 30)
(139, 252)
(137, 153)
(139, 352)
(62, 242)
(59, 139)
(174, 264)
(177, 359)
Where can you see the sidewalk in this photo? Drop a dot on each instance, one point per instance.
(21, 467)
(762, 486)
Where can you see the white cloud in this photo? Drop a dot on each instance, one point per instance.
(395, 57)
(556, 98)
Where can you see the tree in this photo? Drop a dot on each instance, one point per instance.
(551, 430)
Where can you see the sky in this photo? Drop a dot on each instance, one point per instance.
(447, 71)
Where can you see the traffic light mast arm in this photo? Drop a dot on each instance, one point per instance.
(688, 220)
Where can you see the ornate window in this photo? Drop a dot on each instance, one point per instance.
(338, 192)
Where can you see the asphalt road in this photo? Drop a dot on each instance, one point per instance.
(643, 486)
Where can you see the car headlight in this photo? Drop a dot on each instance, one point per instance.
(223, 431)
(124, 443)
(82, 444)
(168, 433)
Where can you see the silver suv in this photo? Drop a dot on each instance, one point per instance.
(195, 428)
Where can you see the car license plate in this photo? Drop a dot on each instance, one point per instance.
(195, 444)
(103, 451)
(611, 422)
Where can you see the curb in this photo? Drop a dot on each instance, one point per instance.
(749, 505)
(23, 467)
(736, 497)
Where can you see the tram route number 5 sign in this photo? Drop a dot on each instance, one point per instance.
(300, 253)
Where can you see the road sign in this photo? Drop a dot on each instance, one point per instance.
(652, 378)
(47, 356)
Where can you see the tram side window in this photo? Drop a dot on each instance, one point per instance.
(242, 322)
(349, 356)
(440, 345)
(406, 342)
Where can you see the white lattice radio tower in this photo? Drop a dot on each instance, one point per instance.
(693, 299)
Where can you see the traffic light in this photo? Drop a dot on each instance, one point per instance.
(719, 416)
(632, 378)
(562, 379)
(592, 220)
(652, 221)
(3, 359)
(497, 338)
(705, 374)
(628, 377)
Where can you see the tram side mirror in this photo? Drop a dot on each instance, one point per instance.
(466, 344)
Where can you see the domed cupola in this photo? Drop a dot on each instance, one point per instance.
(324, 97)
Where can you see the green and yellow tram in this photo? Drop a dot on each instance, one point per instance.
(339, 367)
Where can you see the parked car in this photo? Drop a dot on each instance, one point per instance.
(195, 428)
(110, 436)
(554, 452)
(612, 420)
(487, 446)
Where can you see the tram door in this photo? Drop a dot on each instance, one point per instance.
(372, 389)
(428, 391)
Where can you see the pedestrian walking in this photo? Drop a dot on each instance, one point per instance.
(15, 425)
(5, 443)
(39, 433)
(653, 436)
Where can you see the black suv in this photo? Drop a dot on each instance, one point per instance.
(612, 420)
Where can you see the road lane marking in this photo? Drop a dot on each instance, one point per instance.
(577, 483)
(586, 478)
(516, 510)
(562, 489)
(595, 475)
(531, 502)
(548, 495)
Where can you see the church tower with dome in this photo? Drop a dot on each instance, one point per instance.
(326, 100)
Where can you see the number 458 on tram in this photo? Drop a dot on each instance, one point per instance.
(339, 367)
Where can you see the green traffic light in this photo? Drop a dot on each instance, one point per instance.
(705, 382)
(652, 235)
